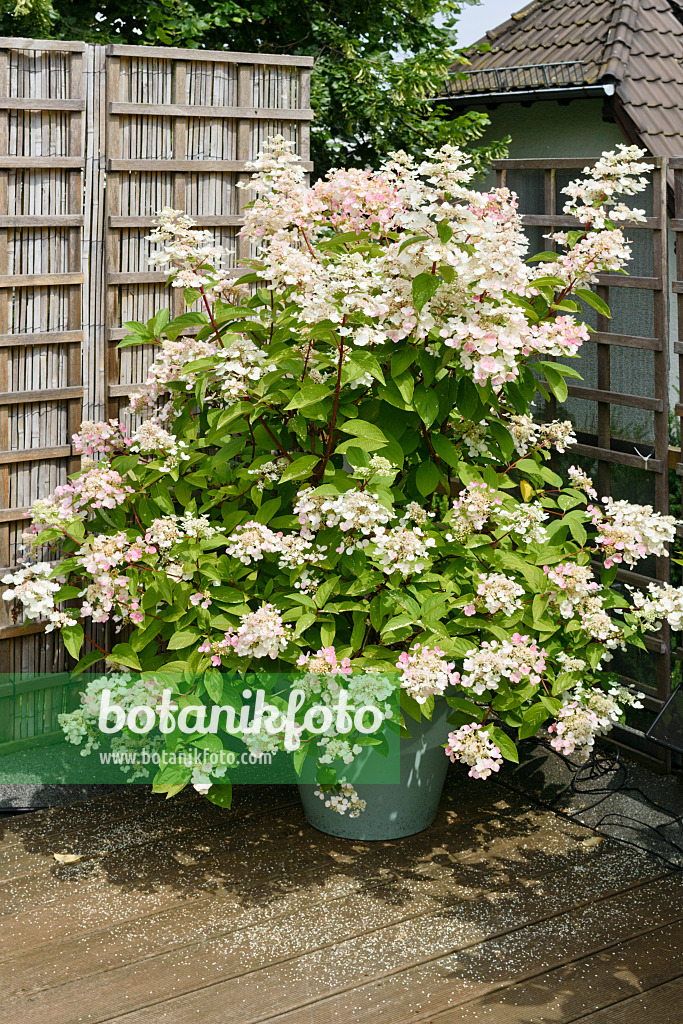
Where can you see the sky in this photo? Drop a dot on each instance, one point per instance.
(475, 21)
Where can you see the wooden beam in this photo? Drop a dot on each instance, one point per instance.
(41, 338)
(22, 43)
(31, 103)
(67, 220)
(197, 110)
(222, 56)
(203, 220)
(194, 166)
(39, 395)
(43, 163)
(35, 454)
(616, 398)
(651, 465)
(38, 280)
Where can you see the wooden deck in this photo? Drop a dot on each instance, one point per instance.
(179, 912)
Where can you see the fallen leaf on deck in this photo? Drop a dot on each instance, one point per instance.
(67, 858)
(593, 841)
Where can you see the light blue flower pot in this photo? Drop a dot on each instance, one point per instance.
(393, 810)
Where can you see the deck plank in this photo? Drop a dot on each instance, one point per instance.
(405, 970)
(574, 991)
(179, 911)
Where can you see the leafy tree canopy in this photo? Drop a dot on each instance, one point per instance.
(377, 61)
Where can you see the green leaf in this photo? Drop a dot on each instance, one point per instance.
(410, 705)
(361, 428)
(427, 405)
(401, 360)
(406, 386)
(425, 287)
(86, 661)
(445, 450)
(298, 758)
(593, 300)
(445, 231)
(504, 744)
(503, 438)
(73, 639)
(300, 468)
(177, 325)
(182, 639)
(221, 795)
(427, 478)
(125, 654)
(135, 327)
(171, 778)
(467, 401)
(303, 623)
(325, 591)
(532, 720)
(309, 395)
(213, 681)
(556, 382)
(545, 257)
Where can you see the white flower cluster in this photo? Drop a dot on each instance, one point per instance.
(152, 437)
(497, 592)
(628, 532)
(337, 749)
(588, 713)
(525, 521)
(527, 434)
(576, 584)
(32, 586)
(269, 472)
(401, 550)
(127, 693)
(166, 531)
(472, 745)
(581, 481)
(425, 672)
(661, 601)
(260, 634)
(250, 542)
(368, 297)
(189, 254)
(169, 368)
(357, 513)
(576, 726)
(472, 510)
(342, 799)
(519, 658)
(238, 364)
(592, 198)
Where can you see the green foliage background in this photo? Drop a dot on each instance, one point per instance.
(377, 61)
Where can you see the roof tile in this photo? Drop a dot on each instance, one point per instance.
(636, 43)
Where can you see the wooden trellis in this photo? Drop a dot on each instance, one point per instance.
(641, 443)
(93, 142)
(181, 126)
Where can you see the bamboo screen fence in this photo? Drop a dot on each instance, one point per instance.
(620, 408)
(93, 142)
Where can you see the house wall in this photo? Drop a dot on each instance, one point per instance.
(553, 129)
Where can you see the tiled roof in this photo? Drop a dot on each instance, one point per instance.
(637, 44)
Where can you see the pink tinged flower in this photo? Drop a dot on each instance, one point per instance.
(470, 609)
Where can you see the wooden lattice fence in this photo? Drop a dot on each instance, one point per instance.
(620, 408)
(93, 142)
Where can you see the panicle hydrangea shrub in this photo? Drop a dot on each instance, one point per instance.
(340, 473)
